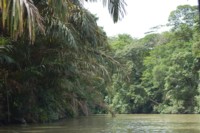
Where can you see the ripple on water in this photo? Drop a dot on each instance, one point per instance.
(120, 124)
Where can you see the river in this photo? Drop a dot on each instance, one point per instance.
(137, 123)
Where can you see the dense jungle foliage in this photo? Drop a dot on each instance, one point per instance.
(53, 60)
(59, 65)
(160, 72)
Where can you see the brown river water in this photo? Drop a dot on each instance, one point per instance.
(136, 123)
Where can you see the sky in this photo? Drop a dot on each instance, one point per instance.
(141, 16)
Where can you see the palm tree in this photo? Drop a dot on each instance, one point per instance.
(19, 14)
(68, 67)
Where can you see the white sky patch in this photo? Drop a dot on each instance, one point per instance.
(141, 15)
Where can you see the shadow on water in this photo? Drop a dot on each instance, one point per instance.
(120, 124)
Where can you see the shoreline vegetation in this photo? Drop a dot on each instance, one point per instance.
(74, 69)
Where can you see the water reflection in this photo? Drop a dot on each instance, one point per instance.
(120, 124)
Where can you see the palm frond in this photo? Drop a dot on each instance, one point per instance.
(14, 19)
(4, 56)
(115, 7)
(4, 59)
(59, 8)
(58, 29)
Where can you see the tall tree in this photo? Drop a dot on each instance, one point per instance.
(63, 73)
(184, 14)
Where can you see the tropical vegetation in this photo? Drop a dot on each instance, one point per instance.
(53, 59)
(161, 70)
(56, 62)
